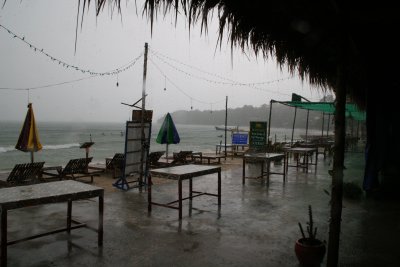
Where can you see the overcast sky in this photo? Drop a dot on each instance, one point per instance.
(195, 71)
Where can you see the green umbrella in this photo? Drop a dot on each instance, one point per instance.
(168, 133)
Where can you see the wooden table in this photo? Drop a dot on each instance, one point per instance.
(200, 156)
(180, 173)
(45, 193)
(232, 149)
(301, 151)
(264, 158)
(322, 147)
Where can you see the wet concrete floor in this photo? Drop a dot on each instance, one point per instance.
(256, 225)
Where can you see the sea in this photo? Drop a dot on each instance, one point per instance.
(61, 141)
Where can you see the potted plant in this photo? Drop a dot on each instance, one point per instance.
(310, 251)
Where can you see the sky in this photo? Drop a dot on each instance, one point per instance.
(185, 69)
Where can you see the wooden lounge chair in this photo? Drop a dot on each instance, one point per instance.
(154, 157)
(179, 158)
(118, 164)
(115, 163)
(182, 158)
(75, 169)
(110, 161)
(25, 173)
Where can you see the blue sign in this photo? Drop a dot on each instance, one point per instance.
(239, 138)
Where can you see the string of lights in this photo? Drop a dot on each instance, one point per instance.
(66, 82)
(47, 85)
(67, 65)
(250, 85)
(231, 82)
(156, 53)
(182, 91)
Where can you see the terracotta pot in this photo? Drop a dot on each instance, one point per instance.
(310, 253)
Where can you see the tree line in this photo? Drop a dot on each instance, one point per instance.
(282, 117)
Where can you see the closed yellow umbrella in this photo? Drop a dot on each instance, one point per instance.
(28, 140)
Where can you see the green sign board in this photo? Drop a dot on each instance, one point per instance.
(258, 135)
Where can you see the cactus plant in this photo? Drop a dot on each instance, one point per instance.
(309, 250)
(311, 230)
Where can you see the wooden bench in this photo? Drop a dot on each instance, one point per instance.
(25, 173)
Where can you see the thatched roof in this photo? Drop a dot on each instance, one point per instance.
(315, 39)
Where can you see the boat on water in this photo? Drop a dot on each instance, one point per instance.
(229, 128)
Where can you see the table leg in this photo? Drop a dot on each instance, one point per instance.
(284, 169)
(298, 160)
(244, 171)
(149, 193)
(190, 189)
(316, 159)
(180, 198)
(262, 171)
(219, 188)
(287, 161)
(306, 161)
(101, 216)
(3, 251)
(69, 216)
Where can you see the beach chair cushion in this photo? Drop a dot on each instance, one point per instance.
(25, 172)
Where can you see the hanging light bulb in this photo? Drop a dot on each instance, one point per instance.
(117, 80)
(165, 83)
(191, 104)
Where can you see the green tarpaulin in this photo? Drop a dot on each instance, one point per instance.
(328, 107)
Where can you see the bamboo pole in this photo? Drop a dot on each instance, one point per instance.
(337, 176)
(269, 120)
(294, 122)
(143, 135)
(226, 121)
(308, 114)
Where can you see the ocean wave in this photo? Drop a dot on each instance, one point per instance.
(45, 147)
(6, 149)
(63, 146)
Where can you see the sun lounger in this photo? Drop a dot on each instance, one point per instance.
(115, 163)
(75, 169)
(179, 158)
(154, 157)
(25, 173)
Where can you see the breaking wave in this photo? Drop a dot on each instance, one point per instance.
(63, 146)
(6, 149)
(45, 147)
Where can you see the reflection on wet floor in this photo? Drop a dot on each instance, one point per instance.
(257, 225)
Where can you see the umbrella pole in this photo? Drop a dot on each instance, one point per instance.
(32, 157)
(167, 153)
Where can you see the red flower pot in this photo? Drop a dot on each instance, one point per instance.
(310, 253)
